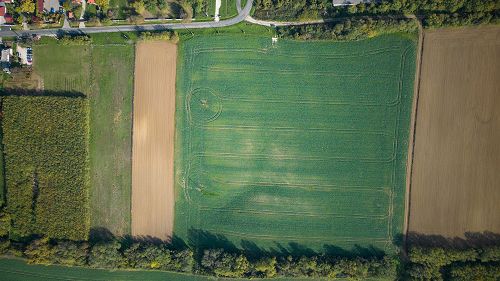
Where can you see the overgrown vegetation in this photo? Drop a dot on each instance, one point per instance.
(354, 29)
(434, 13)
(215, 262)
(45, 145)
(75, 40)
(164, 36)
(453, 264)
(425, 263)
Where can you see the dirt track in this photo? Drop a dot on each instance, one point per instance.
(153, 140)
(456, 178)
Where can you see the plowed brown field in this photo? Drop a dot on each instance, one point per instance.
(153, 140)
(456, 169)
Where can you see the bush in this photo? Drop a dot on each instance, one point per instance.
(45, 145)
(222, 264)
(75, 40)
(106, 255)
(475, 272)
(164, 35)
(432, 263)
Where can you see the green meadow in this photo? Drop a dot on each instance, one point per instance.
(292, 145)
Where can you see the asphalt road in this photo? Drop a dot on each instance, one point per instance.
(145, 27)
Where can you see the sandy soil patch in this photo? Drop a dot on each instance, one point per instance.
(455, 177)
(153, 140)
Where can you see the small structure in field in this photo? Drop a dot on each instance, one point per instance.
(5, 57)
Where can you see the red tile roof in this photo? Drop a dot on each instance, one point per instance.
(39, 4)
(8, 18)
(2, 11)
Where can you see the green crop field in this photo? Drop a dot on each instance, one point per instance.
(297, 145)
(104, 72)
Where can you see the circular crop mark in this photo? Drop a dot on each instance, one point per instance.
(203, 105)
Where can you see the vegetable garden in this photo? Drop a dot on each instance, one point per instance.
(296, 143)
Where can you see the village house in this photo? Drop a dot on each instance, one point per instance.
(5, 18)
(5, 58)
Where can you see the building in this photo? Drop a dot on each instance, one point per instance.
(5, 57)
(3, 9)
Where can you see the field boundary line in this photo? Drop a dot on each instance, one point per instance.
(411, 141)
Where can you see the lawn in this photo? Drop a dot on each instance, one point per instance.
(103, 72)
(292, 146)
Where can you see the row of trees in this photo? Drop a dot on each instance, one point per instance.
(434, 13)
(423, 263)
(354, 29)
(216, 262)
(452, 264)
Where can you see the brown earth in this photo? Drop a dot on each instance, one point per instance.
(153, 140)
(455, 184)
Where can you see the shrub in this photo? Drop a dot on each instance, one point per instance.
(165, 35)
(75, 40)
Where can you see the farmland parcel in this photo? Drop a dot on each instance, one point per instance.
(455, 179)
(45, 145)
(293, 144)
(103, 71)
(153, 140)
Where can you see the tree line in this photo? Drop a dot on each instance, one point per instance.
(348, 29)
(433, 13)
(422, 263)
(435, 263)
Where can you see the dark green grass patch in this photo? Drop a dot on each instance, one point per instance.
(292, 146)
(45, 145)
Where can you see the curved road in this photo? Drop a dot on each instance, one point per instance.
(242, 15)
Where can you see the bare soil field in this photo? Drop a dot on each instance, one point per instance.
(456, 164)
(153, 140)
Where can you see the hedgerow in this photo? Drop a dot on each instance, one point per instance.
(349, 29)
(164, 36)
(45, 145)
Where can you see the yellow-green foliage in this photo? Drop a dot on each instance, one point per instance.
(45, 146)
(166, 36)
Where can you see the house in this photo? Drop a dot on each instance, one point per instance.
(39, 6)
(8, 18)
(3, 11)
(6, 1)
(6, 54)
(25, 55)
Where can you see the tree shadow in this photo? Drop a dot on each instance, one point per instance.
(470, 240)
(39, 93)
